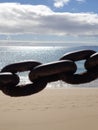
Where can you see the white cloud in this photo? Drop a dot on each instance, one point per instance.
(22, 19)
(60, 3)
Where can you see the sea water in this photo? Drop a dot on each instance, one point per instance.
(14, 54)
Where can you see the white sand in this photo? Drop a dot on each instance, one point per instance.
(51, 109)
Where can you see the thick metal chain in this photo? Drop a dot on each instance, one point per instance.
(41, 74)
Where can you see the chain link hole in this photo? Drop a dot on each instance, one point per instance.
(80, 67)
(24, 78)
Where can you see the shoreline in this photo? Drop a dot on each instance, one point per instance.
(65, 109)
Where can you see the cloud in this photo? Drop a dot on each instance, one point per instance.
(60, 3)
(16, 18)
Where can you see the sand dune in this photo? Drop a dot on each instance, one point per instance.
(51, 109)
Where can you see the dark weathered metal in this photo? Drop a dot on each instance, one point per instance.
(78, 55)
(52, 68)
(92, 62)
(20, 67)
(24, 90)
(8, 79)
(41, 74)
(81, 78)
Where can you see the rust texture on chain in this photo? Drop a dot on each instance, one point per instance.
(40, 74)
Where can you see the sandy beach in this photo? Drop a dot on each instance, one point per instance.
(51, 109)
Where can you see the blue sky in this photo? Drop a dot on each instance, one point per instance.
(49, 22)
(70, 6)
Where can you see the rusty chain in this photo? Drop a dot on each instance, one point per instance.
(41, 74)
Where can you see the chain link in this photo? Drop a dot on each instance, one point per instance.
(41, 74)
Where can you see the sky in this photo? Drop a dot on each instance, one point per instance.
(49, 22)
